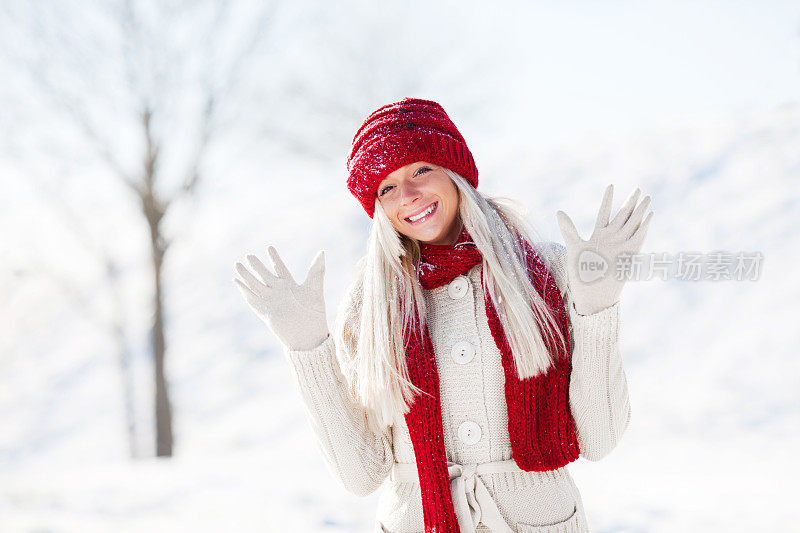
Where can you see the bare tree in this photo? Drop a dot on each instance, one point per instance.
(65, 56)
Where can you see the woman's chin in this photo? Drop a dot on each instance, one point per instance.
(428, 237)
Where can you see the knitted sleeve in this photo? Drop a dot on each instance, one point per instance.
(359, 458)
(598, 389)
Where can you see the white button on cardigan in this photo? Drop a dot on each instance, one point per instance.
(469, 432)
(458, 287)
(463, 352)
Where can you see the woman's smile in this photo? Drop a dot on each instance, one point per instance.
(423, 216)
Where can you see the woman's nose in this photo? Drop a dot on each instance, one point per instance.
(408, 193)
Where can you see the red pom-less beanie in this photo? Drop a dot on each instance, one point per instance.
(401, 133)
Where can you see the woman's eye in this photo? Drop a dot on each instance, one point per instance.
(416, 173)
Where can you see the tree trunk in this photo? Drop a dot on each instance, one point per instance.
(154, 211)
(162, 404)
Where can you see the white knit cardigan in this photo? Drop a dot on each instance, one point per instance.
(472, 396)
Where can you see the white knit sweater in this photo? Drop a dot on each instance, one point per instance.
(472, 396)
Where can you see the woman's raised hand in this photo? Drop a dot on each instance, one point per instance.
(594, 281)
(295, 313)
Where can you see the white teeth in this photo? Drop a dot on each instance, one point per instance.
(426, 212)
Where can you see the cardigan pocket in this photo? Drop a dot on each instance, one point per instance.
(534, 499)
(570, 525)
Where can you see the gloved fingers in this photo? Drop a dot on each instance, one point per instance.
(641, 232)
(568, 230)
(250, 296)
(244, 288)
(629, 228)
(317, 270)
(605, 208)
(255, 286)
(625, 211)
(280, 268)
(267, 277)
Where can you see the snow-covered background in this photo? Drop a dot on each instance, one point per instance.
(696, 105)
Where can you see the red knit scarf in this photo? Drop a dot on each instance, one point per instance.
(540, 425)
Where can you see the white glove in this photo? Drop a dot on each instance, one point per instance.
(295, 313)
(624, 234)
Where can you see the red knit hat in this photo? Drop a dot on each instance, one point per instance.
(401, 133)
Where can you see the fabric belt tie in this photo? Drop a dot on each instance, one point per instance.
(471, 500)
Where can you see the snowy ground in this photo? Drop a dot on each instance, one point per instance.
(712, 366)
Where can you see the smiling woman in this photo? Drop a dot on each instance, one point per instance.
(421, 201)
(469, 364)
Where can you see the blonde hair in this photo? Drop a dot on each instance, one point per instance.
(385, 302)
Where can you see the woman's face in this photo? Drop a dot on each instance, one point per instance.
(422, 189)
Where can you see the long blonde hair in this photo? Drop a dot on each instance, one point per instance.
(385, 301)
